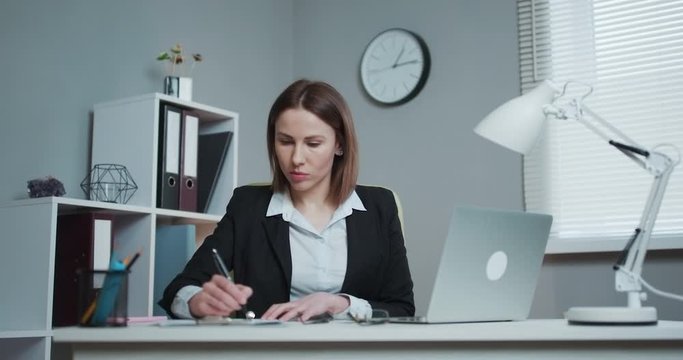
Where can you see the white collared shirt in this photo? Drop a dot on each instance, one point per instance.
(319, 259)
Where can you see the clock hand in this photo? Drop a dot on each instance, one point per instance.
(380, 69)
(399, 56)
(397, 64)
(406, 63)
(372, 71)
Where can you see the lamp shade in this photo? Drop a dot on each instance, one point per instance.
(517, 124)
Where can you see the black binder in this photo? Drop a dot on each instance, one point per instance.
(212, 150)
(168, 177)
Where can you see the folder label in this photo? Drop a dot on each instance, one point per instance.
(172, 152)
(190, 146)
(101, 244)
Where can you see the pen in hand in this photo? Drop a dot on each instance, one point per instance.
(224, 271)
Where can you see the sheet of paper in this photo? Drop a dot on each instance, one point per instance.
(218, 321)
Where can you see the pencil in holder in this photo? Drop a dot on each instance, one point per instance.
(103, 297)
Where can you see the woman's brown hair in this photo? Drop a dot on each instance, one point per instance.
(327, 104)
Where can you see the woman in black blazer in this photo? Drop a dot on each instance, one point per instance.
(313, 241)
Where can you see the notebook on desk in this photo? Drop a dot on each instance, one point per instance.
(489, 267)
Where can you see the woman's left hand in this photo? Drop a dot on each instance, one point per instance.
(307, 306)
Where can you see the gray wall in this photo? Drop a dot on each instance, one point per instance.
(62, 57)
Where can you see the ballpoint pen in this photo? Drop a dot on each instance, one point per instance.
(224, 271)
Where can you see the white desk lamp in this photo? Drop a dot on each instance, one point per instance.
(517, 125)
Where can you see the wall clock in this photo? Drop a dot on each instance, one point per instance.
(395, 66)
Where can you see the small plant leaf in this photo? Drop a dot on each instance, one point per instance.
(163, 56)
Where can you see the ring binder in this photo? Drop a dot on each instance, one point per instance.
(169, 158)
(84, 241)
(212, 151)
(188, 162)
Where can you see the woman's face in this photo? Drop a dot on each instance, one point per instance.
(305, 147)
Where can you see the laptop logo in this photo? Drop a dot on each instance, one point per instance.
(496, 265)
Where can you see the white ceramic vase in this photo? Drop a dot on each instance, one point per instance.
(178, 86)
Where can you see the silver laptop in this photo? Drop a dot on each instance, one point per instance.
(489, 267)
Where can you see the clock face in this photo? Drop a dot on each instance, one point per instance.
(395, 66)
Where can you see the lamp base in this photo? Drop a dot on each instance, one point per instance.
(612, 315)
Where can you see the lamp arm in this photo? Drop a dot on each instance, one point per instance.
(629, 266)
(633, 254)
(576, 111)
(605, 123)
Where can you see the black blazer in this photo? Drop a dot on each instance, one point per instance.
(256, 248)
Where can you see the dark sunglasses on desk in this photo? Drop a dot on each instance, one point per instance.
(319, 319)
(377, 317)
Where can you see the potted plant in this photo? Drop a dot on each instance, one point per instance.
(179, 81)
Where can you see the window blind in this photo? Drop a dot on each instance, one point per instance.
(631, 52)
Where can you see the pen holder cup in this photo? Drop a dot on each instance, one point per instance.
(103, 298)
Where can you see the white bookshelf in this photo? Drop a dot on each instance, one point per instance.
(124, 132)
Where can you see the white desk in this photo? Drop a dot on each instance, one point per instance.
(533, 339)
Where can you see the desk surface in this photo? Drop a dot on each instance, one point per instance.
(523, 340)
(530, 330)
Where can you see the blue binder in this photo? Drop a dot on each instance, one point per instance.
(175, 245)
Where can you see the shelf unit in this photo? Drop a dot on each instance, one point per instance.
(124, 132)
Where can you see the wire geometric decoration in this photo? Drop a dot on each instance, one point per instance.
(109, 183)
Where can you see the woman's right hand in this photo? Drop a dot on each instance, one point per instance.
(219, 297)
